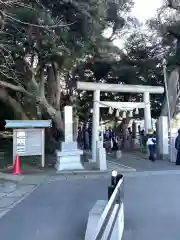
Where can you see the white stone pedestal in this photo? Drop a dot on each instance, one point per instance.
(69, 158)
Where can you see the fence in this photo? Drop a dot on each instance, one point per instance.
(111, 222)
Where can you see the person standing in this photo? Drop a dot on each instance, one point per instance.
(80, 137)
(177, 146)
(151, 143)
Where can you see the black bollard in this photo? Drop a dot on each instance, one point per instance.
(115, 177)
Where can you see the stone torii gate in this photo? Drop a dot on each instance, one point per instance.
(104, 87)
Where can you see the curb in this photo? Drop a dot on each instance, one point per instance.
(82, 172)
(19, 178)
(11, 177)
(126, 168)
(95, 172)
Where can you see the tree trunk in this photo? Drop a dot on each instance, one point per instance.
(75, 128)
(11, 102)
(53, 89)
(55, 134)
(35, 99)
(50, 86)
(122, 126)
(58, 87)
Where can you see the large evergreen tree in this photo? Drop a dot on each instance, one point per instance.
(43, 47)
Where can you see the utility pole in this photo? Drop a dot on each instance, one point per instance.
(168, 109)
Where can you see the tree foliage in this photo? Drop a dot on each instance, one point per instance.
(47, 45)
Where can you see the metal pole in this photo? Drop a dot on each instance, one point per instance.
(168, 107)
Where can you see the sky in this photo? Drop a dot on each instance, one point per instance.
(143, 10)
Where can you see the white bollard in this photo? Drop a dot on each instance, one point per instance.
(101, 158)
(118, 154)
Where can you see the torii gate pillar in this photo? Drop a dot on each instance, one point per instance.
(95, 123)
(147, 112)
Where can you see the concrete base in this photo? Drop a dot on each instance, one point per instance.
(69, 158)
(94, 216)
(174, 155)
(135, 144)
(174, 151)
(164, 157)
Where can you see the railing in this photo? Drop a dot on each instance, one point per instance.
(112, 211)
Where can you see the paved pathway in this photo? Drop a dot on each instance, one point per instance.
(12, 192)
(142, 163)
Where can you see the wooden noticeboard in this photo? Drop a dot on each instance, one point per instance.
(29, 142)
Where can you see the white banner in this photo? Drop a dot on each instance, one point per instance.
(21, 142)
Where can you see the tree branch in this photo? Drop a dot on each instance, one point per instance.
(41, 100)
(16, 88)
(48, 27)
(172, 4)
(16, 106)
(42, 82)
(58, 86)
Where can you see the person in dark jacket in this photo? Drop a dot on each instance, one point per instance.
(115, 144)
(177, 146)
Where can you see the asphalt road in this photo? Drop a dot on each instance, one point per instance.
(59, 210)
(152, 208)
(55, 211)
